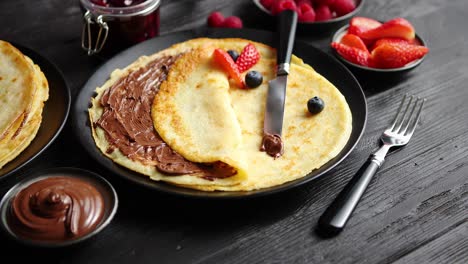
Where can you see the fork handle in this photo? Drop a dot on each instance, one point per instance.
(338, 213)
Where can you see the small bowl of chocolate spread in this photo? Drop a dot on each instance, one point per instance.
(58, 207)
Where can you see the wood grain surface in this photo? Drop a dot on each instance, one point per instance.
(415, 210)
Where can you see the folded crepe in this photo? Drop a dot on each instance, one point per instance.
(205, 119)
(192, 113)
(195, 128)
(119, 126)
(23, 91)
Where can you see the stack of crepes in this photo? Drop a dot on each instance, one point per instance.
(177, 117)
(23, 91)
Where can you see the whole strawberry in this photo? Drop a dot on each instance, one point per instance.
(248, 58)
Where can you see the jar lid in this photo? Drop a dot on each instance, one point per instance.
(139, 9)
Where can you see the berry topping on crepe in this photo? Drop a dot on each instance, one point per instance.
(228, 65)
(248, 58)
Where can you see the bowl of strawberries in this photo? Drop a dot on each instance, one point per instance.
(314, 16)
(387, 47)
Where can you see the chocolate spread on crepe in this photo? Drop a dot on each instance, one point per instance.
(128, 125)
(56, 209)
(273, 145)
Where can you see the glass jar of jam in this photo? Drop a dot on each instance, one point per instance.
(117, 24)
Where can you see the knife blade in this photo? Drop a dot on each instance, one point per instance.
(276, 95)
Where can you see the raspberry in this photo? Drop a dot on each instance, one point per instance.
(215, 19)
(299, 2)
(324, 2)
(100, 2)
(267, 3)
(322, 13)
(232, 22)
(248, 58)
(306, 13)
(282, 5)
(228, 65)
(343, 7)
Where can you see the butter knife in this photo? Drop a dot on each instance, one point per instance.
(272, 142)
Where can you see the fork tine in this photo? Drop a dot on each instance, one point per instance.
(399, 111)
(413, 126)
(404, 115)
(408, 121)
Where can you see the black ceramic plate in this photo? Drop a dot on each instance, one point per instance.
(54, 114)
(322, 62)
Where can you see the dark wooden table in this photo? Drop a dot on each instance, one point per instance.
(415, 210)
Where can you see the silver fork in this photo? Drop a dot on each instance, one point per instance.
(398, 134)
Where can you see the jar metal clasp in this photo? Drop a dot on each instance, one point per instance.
(87, 43)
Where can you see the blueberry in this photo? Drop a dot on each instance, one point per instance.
(234, 55)
(253, 79)
(315, 105)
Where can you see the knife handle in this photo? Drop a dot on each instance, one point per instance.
(287, 31)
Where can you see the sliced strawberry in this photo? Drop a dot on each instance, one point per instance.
(395, 55)
(389, 40)
(395, 28)
(358, 25)
(353, 41)
(224, 60)
(352, 54)
(248, 58)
